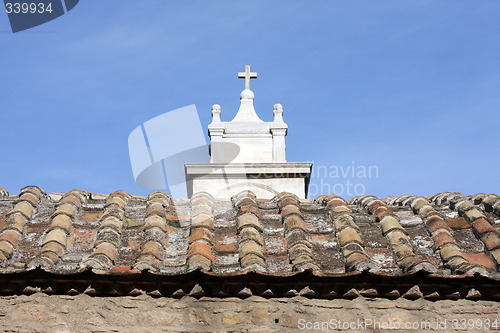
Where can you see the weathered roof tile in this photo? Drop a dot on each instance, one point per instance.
(120, 234)
(491, 240)
(389, 223)
(483, 226)
(249, 220)
(11, 236)
(106, 249)
(442, 237)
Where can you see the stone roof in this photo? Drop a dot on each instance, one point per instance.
(285, 245)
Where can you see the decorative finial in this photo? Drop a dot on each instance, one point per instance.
(247, 75)
(278, 113)
(216, 113)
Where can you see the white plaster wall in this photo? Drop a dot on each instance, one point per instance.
(262, 188)
(252, 150)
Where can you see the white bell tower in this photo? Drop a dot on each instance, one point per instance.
(248, 154)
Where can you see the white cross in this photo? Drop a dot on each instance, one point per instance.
(247, 75)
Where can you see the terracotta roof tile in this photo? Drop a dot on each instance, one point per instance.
(11, 236)
(349, 238)
(6, 248)
(491, 241)
(444, 242)
(107, 249)
(442, 237)
(293, 222)
(250, 242)
(396, 234)
(107, 239)
(251, 234)
(326, 238)
(496, 255)
(479, 259)
(482, 226)
(15, 221)
(3, 192)
(24, 207)
(390, 223)
(457, 223)
(475, 216)
(249, 220)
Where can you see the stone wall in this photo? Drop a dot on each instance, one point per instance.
(82, 313)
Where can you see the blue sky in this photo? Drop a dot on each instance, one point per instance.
(410, 87)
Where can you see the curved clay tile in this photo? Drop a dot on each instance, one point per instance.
(395, 233)
(200, 249)
(444, 243)
(154, 232)
(295, 232)
(3, 192)
(477, 218)
(55, 242)
(16, 219)
(108, 237)
(281, 247)
(353, 248)
(251, 255)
